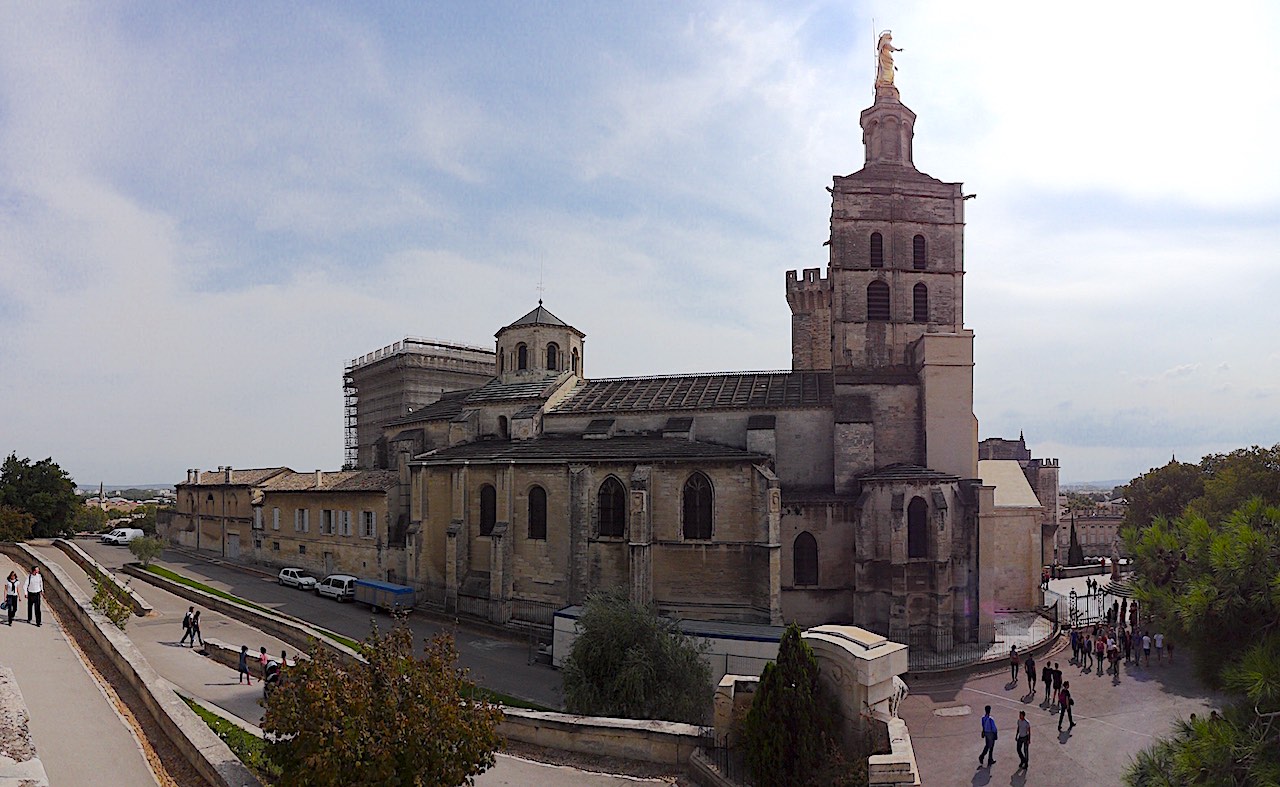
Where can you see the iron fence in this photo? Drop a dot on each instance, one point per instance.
(944, 648)
(730, 763)
(539, 613)
(473, 606)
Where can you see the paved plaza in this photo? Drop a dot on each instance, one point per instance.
(1115, 718)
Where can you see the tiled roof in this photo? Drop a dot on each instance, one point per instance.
(573, 449)
(238, 477)
(449, 405)
(335, 481)
(497, 391)
(540, 316)
(905, 472)
(700, 392)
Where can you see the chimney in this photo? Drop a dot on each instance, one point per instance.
(319, 478)
(195, 474)
(227, 474)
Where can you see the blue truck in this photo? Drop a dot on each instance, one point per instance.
(385, 595)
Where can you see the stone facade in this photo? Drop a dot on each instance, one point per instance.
(1042, 475)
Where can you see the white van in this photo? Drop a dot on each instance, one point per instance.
(337, 586)
(122, 535)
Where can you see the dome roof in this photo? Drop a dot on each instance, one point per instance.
(540, 316)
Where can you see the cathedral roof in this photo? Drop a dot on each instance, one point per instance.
(906, 472)
(739, 390)
(576, 449)
(540, 316)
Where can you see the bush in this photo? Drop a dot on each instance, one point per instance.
(146, 549)
(629, 662)
(113, 601)
(396, 719)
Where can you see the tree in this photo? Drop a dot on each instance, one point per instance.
(790, 731)
(394, 719)
(15, 525)
(146, 549)
(1163, 491)
(1215, 584)
(1233, 479)
(630, 662)
(43, 490)
(89, 519)
(144, 517)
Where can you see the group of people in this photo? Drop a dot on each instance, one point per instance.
(1022, 738)
(32, 586)
(272, 671)
(191, 628)
(1092, 644)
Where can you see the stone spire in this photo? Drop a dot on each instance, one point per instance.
(888, 127)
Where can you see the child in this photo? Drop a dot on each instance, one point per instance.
(244, 667)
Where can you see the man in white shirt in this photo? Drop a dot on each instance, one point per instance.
(35, 587)
(1159, 646)
(1023, 739)
(1146, 650)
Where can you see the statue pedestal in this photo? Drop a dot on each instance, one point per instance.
(886, 92)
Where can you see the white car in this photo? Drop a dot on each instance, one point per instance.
(297, 578)
(338, 586)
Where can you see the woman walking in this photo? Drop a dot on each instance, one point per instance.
(195, 629)
(11, 595)
(244, 666)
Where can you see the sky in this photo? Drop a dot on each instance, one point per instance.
(208, 210)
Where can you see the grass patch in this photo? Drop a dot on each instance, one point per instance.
(506, 699)
(251, 749)
(336, 637)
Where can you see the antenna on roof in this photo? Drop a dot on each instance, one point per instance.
(541, 289)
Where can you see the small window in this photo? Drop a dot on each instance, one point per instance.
(501, 358)
(488, 509)
(918, 260)
(574, 356)
(502, 427)
(302, 549)
(326, 522)
(917, 528)
(522, 357)
(804, 559)
(697, 507)
(878, 302)
(275, 519)
(346, 523)
(920, 303)
(553, 356)
(611, 508)
(877, 250)
(275, 546)
(538, 513)
(368, 524)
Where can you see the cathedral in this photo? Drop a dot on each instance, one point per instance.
(844, 491)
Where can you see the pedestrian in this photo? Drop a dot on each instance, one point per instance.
(195, 629)
(1159, 647)
(11, 595)
(1046, 677)
(1023, 740)
(1100, 651)
(989, 735)
(1014, 663)
(1057, 678)
(34, 588)
(262, 658)
(1086, 653)
(1031, 675)
(1146, 649)
(244, 667)
(1126, 639)
(1064, 706)
(186, 625)
(1075, 646)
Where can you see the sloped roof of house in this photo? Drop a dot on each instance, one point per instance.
(736, 390)
(575, 449)
(335, 481)
(1012, 489)
(248, 477)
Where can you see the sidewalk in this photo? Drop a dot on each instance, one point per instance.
(78, 734)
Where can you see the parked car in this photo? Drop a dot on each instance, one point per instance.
(297, 578)
(122, 535)
(337, 586)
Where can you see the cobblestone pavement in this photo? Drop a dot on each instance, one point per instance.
(1115, 718)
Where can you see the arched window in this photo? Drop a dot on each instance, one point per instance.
(575, 360)
(918, 260)
(553, 356)
(501, 358)
(611, 508)
(502, 427)
(804, 559)
(697, 506)
(920, 303)
(208, 503)
(488, 509)
(878, 302)
(522, 356)
(538, 513)
(918, 528)
(877, 250)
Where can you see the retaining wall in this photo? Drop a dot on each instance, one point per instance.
(649, 740)
(95, 569)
